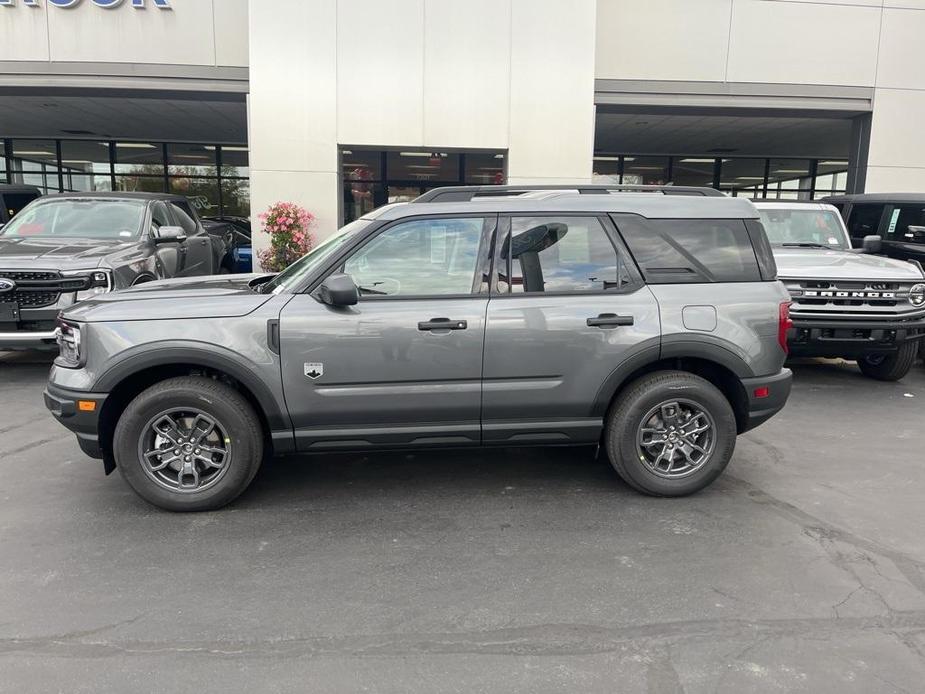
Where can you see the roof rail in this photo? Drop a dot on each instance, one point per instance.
(466, 193)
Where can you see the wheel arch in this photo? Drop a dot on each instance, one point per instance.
(718, 365)
(133, 374)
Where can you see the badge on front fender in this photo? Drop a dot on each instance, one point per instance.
(314, 370)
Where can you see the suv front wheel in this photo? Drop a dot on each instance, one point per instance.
(188, 444)
(891, 366)
(671, 433)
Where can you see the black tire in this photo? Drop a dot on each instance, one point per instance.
(637, 401)
(235, 419)
(891, 366)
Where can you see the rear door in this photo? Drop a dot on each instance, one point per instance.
(567, 309)
(403, 366)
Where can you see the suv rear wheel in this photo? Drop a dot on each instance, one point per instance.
(671, 433)
(891, 366)
(188, 444)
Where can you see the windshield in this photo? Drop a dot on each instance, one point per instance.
(293, 275)
(821, 228)
(82, 218)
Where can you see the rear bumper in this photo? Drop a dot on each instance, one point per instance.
(63, 404)
(851, 338)
(766, 396)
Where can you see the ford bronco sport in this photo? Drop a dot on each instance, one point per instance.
(845, 303)
(650, 323)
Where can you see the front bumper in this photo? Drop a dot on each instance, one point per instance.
(851, 338)
(766, 396)
(25, 339)
(65, 405)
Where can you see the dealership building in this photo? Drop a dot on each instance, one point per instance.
(344, 105)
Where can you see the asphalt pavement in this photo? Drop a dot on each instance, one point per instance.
(801, 570)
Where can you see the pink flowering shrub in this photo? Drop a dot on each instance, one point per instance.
(288, 226)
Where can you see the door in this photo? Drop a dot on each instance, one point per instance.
(170, 254)
(402, 367)
(904, 234)
(566, 311)
(199, 256)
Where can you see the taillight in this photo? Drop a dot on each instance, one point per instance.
(783, 325)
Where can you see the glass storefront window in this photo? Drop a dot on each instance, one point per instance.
(236, 197)
(743, 177)
(202, 194)
(35, 163)
(646, 171)
(139, 184)
(484, 169)
(191, 160)
(692, 171)
(139, 158)
(789, 179)
(428, 167)
(235, 162)
(86, 183)
(361, 165)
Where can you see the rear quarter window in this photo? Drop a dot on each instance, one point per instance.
(673, 251)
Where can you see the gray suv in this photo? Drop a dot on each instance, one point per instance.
(650, 323)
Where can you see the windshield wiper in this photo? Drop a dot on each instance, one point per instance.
(806, 245)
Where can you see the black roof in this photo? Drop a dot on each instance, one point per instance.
(18, 188)
(119, 195)
(914, 198)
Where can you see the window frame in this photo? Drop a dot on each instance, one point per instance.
(482, 269)
(610, 232)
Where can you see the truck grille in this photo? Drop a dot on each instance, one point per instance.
(38, 289)
(834, 298)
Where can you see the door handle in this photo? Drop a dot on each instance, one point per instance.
(442, 324)
(610, 320)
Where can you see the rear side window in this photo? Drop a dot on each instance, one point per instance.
(672, 251)
(559, 254)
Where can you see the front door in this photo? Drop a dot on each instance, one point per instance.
(567, 311)
(402, 367)
(198, 257)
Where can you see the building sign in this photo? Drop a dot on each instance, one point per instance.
(105, 4)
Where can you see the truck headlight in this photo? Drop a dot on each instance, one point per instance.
(917, 295)
(93, 282)
(68, 336)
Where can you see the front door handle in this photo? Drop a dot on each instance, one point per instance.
(442, 324)
(610, 320)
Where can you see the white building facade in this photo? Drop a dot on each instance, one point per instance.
(341, 105)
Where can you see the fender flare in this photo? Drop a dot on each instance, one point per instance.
(707, 348)
(196, 354)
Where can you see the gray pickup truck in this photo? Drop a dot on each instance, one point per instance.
(846, 302)
(503, 318)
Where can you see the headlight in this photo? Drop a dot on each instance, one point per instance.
(68, 335)
(93, 282)
(917, 295)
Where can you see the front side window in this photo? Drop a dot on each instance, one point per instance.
(559, 254)
(79, 218)
(159, 216)
(184, 217)
(864, 220)
(425, 257)
(671, 251)
(809, 227)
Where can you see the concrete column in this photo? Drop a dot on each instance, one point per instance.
(293, 109)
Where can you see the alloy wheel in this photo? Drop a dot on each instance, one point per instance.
(676, 438)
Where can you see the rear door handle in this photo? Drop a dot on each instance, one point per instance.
(442, 324)
(610, 320)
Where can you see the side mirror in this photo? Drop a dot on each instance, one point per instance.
(166, 234)
(872, 244)
(915, 232)
(339, 290)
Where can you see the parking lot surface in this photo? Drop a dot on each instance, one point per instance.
(802, 569)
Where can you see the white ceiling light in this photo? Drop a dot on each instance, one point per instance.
(132, 145)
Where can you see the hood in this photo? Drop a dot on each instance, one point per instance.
(219, 296)
(819, 263)
(55, 254)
